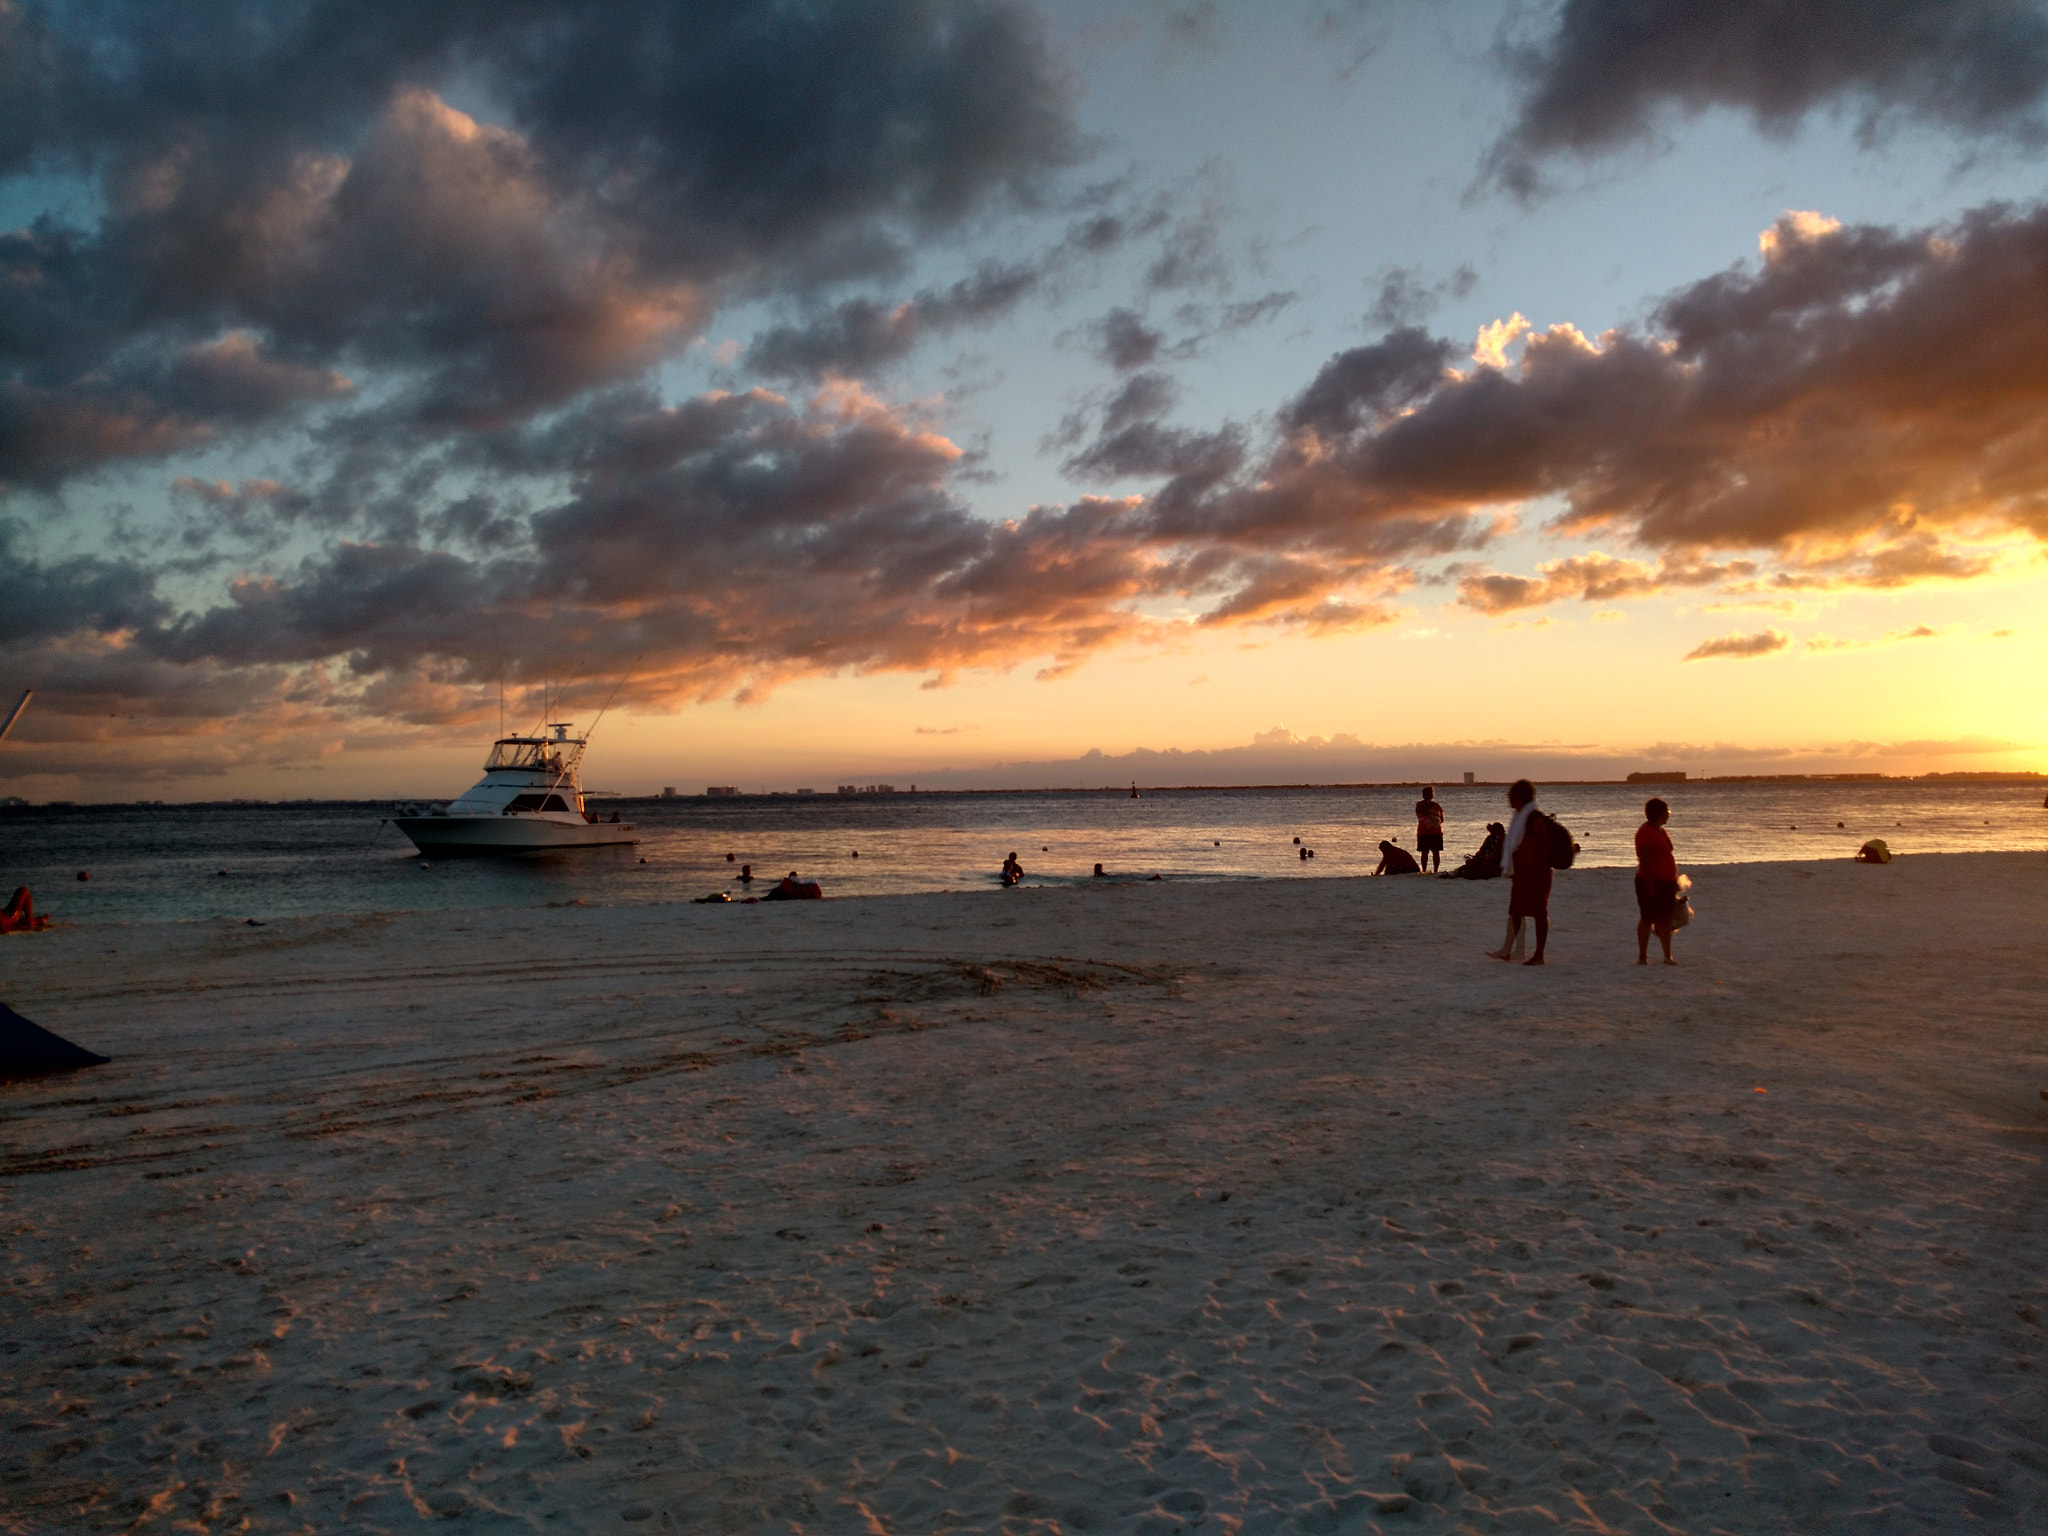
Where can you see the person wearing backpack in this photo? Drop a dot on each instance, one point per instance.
(1526, 856)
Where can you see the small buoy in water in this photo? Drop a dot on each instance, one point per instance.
(84, 875)
(643, 861)
(1841, 823)
(731, 858)
(1297, 842)
(425, 865)
(856, 853)
(250, 922)
(222, 875)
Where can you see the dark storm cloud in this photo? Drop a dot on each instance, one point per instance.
(1362, 385)
(1612, 69)
(1132, 441)
(1404, 299)
(1853, 411)
(1124, 341)
(860, 336)
(82, 594)
(1861, 391)
(293, 176)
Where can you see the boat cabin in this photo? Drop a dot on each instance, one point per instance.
(528, 776)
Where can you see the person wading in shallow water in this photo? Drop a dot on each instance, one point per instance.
(1429, 830)
(1526, 857)
(1656, 882)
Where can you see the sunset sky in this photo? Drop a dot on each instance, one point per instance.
(895, 389)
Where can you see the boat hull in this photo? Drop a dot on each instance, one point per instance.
(486, 836)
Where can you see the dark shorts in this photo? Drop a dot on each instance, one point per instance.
(1430, 842)
(1655, 899)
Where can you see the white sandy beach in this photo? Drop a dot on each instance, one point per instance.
(1164, 1208)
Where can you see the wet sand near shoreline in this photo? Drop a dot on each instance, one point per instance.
(1164, 1208)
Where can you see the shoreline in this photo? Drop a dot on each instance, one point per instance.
(1322, 885)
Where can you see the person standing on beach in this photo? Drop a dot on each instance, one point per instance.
(1429, 830)
(1526, 858)
(1656, 882)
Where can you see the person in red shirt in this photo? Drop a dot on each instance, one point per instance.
(1656, 882)
(1429, 829)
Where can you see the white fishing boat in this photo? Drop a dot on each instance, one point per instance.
(528, 801)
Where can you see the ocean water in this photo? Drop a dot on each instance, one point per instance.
(204, 861)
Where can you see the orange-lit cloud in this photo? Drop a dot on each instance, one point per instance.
(1765, 642)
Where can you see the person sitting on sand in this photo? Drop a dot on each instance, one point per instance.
(1525, 853)
(1656, 882)
(1483, 863)
(1396, 860)
(1429, 828)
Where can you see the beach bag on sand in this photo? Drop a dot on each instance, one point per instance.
(1562, 849)
(1681, 909)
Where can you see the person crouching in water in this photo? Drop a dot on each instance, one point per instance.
(1429, 830)
(1656, 882)
(1396, 860)
(1526, 858)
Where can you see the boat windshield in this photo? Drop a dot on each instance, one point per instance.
(515, 752)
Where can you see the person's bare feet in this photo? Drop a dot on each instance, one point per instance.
(1669, 961)
(1642, 959)
(1497, 954)
(1537, 960)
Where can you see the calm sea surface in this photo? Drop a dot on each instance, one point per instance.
(154, 862)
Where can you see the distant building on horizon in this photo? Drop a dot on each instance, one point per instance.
(721, 791)
(1667, 776)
